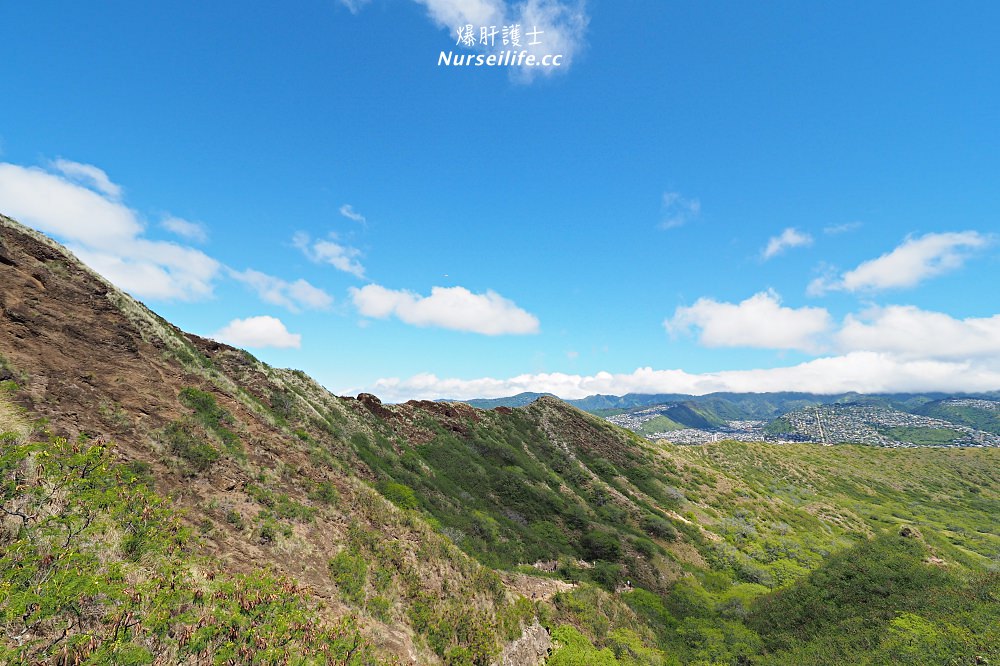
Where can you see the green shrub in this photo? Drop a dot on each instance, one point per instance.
(645, 547)
(658, 527)
(326, 492)
(350, 573)
(381, 608)
(399, 494)
(235, 518)
(205, 407)
(575, 649)
(282, 404)
(608, 575)
(601, 545)
(187, 445)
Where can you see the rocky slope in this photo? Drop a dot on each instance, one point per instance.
(257, 459)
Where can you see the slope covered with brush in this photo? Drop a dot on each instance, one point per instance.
(256, 461)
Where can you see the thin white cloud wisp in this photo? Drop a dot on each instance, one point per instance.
(912, 262)
(787, 239)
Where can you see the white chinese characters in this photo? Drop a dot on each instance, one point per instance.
(506, 35)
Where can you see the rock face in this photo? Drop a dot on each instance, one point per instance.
(531, 649)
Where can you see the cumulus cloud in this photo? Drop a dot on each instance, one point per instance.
(759, 321)
(258, 332)
(788, 238)
(454, 308)
(103, 232)
(329, 251)
(871, 372)
(909, 264)
(911, 333)
(348, 211)
(296, 296)
(90, 176)
(561, 26)
(678, 211)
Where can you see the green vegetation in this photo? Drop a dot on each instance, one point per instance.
(658, 424)
(186, 443)
(95, 569)
(506, 495)
(686, 547)
(399, 494)
(882, 602)
(351, 575)
(982, 416)
(212, 417)
(923, 436)
(196, 439)
(280, 504)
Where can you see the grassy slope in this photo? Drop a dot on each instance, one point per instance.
(97, 568)
(976, 417)
(884, 601)
(704, 531)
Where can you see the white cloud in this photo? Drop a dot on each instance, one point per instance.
(296, 296)
(835, 229)
(308, 296)
(454, 308)
(452, 13)
(153, 269)
(258, 332)
(912, 262)
(328, 251)
(864, 372)
(678, 211)
(54, 205)
(788, 238)
(190, 230)
(911, 333)
(89, 176)
(354, 6)
(561, 26)
(103, 232)
(347, 210)
(759, 321)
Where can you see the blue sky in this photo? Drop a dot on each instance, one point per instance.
(703, 196)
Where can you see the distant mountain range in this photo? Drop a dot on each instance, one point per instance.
(889, 419)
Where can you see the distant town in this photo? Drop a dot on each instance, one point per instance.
(874, 425)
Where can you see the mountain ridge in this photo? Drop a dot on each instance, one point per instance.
(600, 402)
